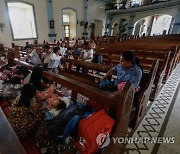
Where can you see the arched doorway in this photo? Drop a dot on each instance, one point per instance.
(96, 28)
(119, 27)
(123, 26)
(161, 24)
(69, 18)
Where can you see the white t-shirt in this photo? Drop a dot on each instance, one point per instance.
(88, 54)
(47, 59)
(54, 61)
(63, 51)
(34, 58)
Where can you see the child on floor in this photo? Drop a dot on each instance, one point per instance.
(53, 104)
(58, 106)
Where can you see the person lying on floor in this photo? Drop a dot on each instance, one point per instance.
(127, 70)
(58, 106)
(25, 113)
(64, 123)
(53, 104)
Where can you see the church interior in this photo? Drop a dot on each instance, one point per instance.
(89, 76)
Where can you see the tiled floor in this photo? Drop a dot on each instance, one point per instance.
(173, 130)
(161, 120)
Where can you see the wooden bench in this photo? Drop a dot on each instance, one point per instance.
(148, 61)
(122, 104)
(167, 61)
(141, 97)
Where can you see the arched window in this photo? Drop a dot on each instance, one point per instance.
(22, 20)
(65, 18)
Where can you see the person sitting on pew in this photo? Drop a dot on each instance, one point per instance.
(63, 49)
(55, 60)
(25, 113)
(93, 44)
(6, 69)
(77, 48)
(127, 70)
(87, 53)
(32, 56)
(45, 56)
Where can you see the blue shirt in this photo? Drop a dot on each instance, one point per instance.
(133, 75)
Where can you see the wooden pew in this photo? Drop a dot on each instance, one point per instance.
(146, 57)
(88, 65)
(85, 78)
(9, 142)
(22, 63)
(147, 65)
(165, 43)
(121, 105)
(142, 96)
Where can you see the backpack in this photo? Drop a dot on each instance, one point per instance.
(89, 129)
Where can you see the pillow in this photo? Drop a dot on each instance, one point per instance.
(122, 84)
(67, 101)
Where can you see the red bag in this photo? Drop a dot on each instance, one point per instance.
(89, 129)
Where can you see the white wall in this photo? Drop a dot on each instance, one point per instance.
(73, 25)
(98, 28)
(94, 12)
(41, 21)
(58, 6)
